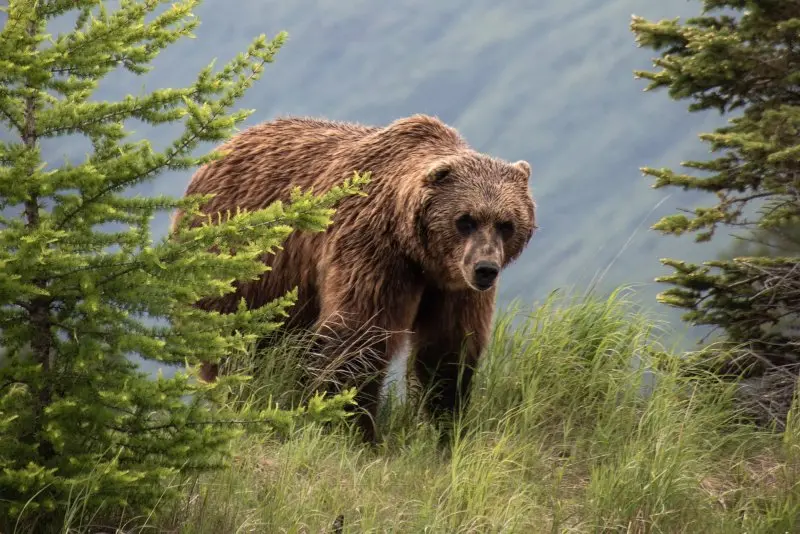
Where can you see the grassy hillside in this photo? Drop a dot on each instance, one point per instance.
(581, 420)
(564, 436)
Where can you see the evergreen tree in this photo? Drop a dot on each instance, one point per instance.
(741, 58)
(82, 280)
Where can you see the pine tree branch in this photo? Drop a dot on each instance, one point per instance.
(5, 112)
(10, 119)
(121, 22)
(118, 23)
(12, 22)
(174, 153)
(136, 108)
(105, 65)
(186, 247)
(57, 7)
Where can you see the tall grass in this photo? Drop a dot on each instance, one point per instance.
(571, 429)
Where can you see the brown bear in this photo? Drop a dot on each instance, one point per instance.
(418, 256)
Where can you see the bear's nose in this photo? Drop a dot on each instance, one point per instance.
(485, 273)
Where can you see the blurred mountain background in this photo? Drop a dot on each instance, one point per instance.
(549, 81)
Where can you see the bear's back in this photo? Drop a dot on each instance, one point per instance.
(264, 162)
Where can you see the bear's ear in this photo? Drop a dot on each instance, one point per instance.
(438, 172)
(524, 167)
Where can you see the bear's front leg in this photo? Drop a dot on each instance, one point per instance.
(366, 312)
(451, 331)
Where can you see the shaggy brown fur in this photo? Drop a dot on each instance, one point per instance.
(416, 257)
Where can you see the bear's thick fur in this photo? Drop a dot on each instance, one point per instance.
(418, 256)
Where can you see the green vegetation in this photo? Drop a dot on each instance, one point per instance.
(580, 421)
(738, 57)
(559, 439)
(83, 287)
(743, 58)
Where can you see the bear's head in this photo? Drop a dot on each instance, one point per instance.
(475, 216)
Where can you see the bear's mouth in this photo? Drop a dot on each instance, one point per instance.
(480, 286)
(484, 287)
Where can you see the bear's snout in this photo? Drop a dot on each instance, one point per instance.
(485, 273)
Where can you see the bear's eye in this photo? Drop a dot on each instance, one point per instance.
(466, 224)
(440, 174)
(506, 229)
